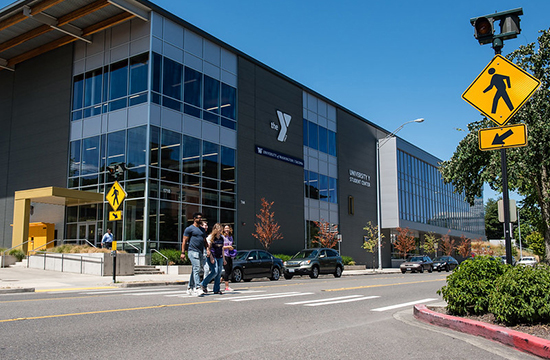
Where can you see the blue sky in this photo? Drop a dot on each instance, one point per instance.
(388, 61)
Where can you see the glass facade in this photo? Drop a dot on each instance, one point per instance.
(170, 174)
(424, 198)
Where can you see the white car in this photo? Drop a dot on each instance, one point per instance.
(528, 261)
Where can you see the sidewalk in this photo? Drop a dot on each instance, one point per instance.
(18, 278)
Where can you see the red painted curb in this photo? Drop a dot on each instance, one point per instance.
(518, 340)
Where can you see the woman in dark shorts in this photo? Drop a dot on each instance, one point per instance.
(230, 253)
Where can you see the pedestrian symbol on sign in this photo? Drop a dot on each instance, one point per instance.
(499, 82)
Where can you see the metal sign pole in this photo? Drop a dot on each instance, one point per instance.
(506, 205)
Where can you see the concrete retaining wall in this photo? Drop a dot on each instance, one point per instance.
(7, 260)
(93, 264)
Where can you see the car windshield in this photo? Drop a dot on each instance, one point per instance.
(241, 255)
(416, 259)
(440, 258)
(304, 254)
(528, 258)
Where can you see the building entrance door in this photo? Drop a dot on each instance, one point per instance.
(87, 232)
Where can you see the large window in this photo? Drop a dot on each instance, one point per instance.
(319, 138)
(107, 88)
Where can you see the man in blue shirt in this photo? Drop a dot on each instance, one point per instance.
(194, 239)
(107, 240)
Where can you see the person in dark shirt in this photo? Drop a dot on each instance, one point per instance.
(193, 241)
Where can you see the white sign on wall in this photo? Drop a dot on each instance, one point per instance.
(359, 178)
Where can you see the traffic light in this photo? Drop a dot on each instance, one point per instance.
(116, 169)
(484, 29)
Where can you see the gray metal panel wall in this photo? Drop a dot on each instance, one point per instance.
(34, 128)
(356, 151)
(260, 94)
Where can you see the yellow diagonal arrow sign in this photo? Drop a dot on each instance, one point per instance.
(503, 137)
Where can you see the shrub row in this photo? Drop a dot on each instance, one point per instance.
(514, 295)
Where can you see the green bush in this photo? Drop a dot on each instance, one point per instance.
(19, 254)
(348, 260)
(522, 295)
(468, 287)
(282, 257)
(173, 255)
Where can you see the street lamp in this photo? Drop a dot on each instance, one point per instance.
(379, 144)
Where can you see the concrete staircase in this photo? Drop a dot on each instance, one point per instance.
(147, 269)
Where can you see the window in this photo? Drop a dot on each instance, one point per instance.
(171, 79)
(191, 155)
(137, 146)
(170, 150)
(229, 100)
(193, 87)
(90, 155)
(118, 81)
(228, 164)
(323, 139)
(115, 147)
(211, 99)
(138, 73)
(74, 159)
(313, 136)
(210, 156)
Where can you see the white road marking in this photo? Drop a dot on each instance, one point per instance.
(404, 304)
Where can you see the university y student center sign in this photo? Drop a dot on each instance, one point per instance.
(359, 178)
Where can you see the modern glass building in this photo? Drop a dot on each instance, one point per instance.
(199, 126)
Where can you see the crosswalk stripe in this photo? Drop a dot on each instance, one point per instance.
(322, 300)
(343, 301)
(160, 293)
(267, 296)
(403, 305)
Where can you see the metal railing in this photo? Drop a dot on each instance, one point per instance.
(138, 255)
(161, 254)
(70, 257)
(5, 251)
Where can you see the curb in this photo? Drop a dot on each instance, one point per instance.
(515, 339)
(13, 291)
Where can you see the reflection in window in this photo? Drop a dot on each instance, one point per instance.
(90, 155)
(137, 146)
(171, 79)
(118, 80)
(74, 159)
(210, 157)
(115, 147)
(170, 150)
(313, 136)
(229, 100)
(193, 86)
(138, 73)
(228, 164)
(191, 155)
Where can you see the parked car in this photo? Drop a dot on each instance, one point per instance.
(313, 262)
(446, 263)
(250, 264)
(417, 263)
(503, 259)
(528, 261)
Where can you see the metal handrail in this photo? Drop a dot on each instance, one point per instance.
(68, 257)
(161, 254)
(13, 247)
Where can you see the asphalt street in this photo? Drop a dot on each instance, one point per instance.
(351, 317)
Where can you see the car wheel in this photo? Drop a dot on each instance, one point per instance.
(438, 269)
(403, 271)
(430, 269)
(275, 274)
(237, 275)
(314, 272)
(447, 268)
(288, 276)
(421, 270)
(338, 272)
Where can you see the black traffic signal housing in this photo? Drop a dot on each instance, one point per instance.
(484, 29)
(116, 169)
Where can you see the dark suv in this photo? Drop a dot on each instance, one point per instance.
(313, 262)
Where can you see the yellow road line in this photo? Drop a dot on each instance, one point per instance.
(106, 311)
(382, 285)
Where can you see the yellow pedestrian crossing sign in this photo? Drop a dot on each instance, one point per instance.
(116, 196)
(503, 137)
(501, 90)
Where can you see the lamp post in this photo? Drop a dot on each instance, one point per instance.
(379, 144)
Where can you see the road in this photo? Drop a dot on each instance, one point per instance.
(352, 317)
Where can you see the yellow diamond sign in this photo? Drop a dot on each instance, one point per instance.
(116, 196)
(501, 90)
(503, 137)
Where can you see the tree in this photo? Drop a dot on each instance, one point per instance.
(464, 247)
(327, 236)
(493, 227)
(267, 230)
(405, 241)
(370, 241)
(536, 243)
(528, 167)
(447, 244)
(429, 243)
